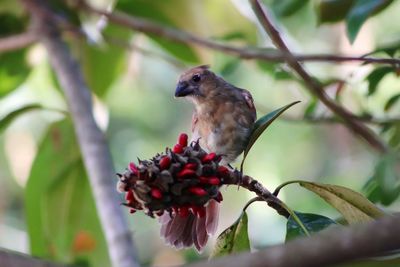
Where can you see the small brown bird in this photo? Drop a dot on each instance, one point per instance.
(222, 121)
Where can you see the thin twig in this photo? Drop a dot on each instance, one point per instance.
(314, 86)
(18, 41)
(172, 34)
(130, 46)
(253, 185)
(334, 120)
(251, 201)
(94, 149)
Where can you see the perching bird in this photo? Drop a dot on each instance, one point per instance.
(222, 121)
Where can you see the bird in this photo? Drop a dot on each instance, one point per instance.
(222, 121)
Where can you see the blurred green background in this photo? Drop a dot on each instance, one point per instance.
(134, 105)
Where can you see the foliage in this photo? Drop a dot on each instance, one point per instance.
(233, 239)
(130, 75)
(60, 211)
(313, 222)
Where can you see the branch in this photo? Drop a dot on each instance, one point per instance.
(333, 120)
(314, 86)
(133, 47)
(94, 149)
(175, 35)
(262, 193)
(329, 247)
(10, 258)
(18, 41)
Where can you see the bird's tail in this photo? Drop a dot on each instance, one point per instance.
(185, 231)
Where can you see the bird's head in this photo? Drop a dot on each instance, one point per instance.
(196, 83)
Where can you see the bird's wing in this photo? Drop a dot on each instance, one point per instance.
(249, 101)
(249, 98)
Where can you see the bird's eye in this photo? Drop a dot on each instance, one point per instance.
(196, 78)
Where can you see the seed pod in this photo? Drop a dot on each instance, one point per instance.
(180, 181)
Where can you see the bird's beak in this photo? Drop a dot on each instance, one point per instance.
(183, 89)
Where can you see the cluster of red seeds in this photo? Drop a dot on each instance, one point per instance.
(182, 180)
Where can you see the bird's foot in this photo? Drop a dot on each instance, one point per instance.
(238, 174)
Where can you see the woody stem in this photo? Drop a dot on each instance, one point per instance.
(255, 186)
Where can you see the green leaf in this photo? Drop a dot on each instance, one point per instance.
(232, 36)
(309, 111)
(13, 67)
(387, 178)
(359, 13)
(353, 206)
(103, 63)
(102, 66)
(390, 103)
(268, 67)
(155, 11)
(389, 49)
(288, 7)
(394, 140)
(10, 117)
(313, 223)
(375, 76)
(330, 11)
(61, 215)
(11, 24)
(64, 10)
(230, 67)
(372, 190)
(281, 74)
(233, 239)
(261, 125)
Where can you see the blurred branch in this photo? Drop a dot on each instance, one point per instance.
(329, 119)
(133, 47)
(332, 120)
(314, 86)
(332, 246)
(94, 149)
(18, 41)
(11, 258)
(172, 34)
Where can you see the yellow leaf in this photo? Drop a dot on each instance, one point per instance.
(354, 207)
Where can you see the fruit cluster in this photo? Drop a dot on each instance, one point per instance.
(180, 181)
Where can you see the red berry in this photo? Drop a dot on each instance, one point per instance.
(185, 173)
(203, 180)
(214, 180)
(132, 211)
(209, 157)
(183, 139)
(165, 162)
(198, 191)
(156, 193)
(178, 148)
(133, 168)
(222, 170)
(192, 166)
(210, 180)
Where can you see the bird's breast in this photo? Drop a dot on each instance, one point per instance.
(223, 135)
